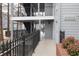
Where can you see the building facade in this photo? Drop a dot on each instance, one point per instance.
(65, 22)
(54, 20)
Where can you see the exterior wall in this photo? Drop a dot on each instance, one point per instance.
(48, 9)
(70, 19)
(48, 26)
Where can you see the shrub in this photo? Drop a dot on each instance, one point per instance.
(73, 49)
(67, 41)
(71, 45)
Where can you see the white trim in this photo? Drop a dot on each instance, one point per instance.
(32, 18)
(56, 25)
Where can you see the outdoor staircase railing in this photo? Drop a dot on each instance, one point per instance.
(23, 44)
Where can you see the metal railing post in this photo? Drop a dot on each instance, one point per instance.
(23, 45)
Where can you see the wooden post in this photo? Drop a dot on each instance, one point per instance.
(1, 28)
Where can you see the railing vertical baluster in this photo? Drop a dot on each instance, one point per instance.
(13, 48)
(3, 48)
(17, 43)
(17, 47)
(0, 48)
(10, 47)
(6, 47)
(23, 46)
(33, 44)
(18, 50)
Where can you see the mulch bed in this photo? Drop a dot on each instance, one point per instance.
(60, 51)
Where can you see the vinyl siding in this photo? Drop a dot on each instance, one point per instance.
(70, 26)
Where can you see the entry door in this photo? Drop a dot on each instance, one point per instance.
(48, 30)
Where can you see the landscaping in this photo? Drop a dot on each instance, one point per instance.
(69, 46)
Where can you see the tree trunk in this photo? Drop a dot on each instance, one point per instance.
(1, 28)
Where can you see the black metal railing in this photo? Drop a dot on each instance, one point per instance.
(22, 44)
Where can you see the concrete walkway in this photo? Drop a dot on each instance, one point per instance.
(45, 48)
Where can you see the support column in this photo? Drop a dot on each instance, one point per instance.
(31, 10)
(39, 15)
(11, 22)
(18, 16)
(11, 30)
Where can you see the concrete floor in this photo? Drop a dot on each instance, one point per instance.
(45, 48)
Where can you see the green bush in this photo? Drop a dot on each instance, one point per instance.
(71, 45)
(73, 50)
(69, 40)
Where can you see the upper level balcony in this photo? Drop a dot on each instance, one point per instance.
(33, 9)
